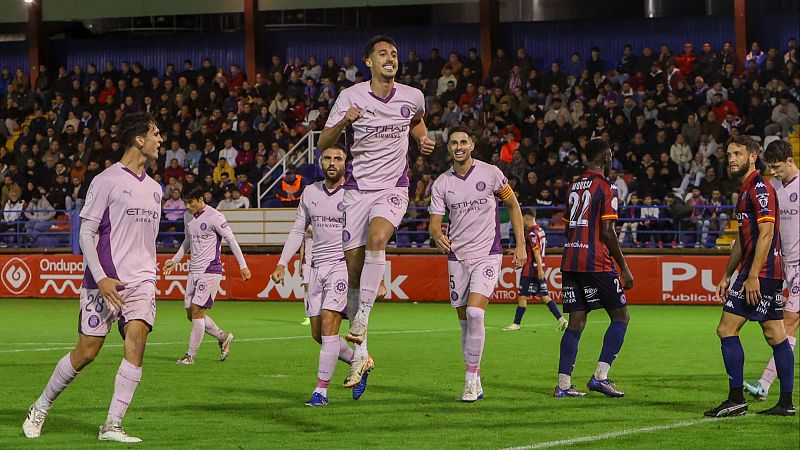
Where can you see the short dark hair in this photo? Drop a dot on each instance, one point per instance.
(463, 129)
(778, 151)
(744, 141)
(194, 193)
(595, 147)
(134, 124)
(529, 212)
(374, 40)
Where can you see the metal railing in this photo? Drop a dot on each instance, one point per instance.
(61, 231)
(304, 148)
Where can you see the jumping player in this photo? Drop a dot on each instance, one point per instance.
(470, 191)
(205, 229)
(532, 282)
(756, 292)
(118, 238)
(379, 116)
(321, 206)
(588, 274)
(786, 182)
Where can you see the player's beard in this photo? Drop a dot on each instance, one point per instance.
(335, 178)
(743, 169)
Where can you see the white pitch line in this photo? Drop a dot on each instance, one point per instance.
(616, 434)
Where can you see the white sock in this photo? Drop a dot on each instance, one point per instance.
(360, 351)
(322, 390)
(602, 371)
(564, 381)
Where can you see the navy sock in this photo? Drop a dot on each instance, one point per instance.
(733, 356)
(569, 351)
(784, 365)
(518, 315)
(554, 309)
(612, 341)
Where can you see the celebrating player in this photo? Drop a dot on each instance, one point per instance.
(756, 292)
(779, 159)
(469, 191)
(378, 116)
(532, 282)
(118, 238)
(205, 229)
(588, 275)
(321, 206)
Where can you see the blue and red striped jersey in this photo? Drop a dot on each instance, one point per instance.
(758, 203)
(592, 199)
(535, 241)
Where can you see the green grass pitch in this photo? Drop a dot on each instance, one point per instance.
(670, 369)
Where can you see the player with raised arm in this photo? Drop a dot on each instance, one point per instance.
(118, 238)
(321, 207)
(588, 274)
(779, 159)
(205, 229)
(469, 191)
(532, 282)
(756, 293)
(378, 117)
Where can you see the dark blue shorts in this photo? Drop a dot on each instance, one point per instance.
(532, 287)
(587, 291)
(770, 308)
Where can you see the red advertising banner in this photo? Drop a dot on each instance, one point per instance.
(658, 279)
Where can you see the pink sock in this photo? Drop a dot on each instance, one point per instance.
(328, 354)
(196, 337)
(371, 276)
(213, 329)
(345, 352)
(476, 335)
(770, 374)
(125, 384)
(61, 378)
(463, 324)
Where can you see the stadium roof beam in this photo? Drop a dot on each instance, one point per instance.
(37, 41)
(254, 41)
(740, 30)
(490, 27)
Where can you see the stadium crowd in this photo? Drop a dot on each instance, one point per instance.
(666, 115)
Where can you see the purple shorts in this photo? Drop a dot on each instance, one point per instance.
(201, 289)
(95, 317)
(327, 289)
(360, 207)
(478, 275)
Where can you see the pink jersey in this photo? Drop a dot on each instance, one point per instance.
(206, 231)
(472, 201)
(789, 204)
(378, 141)
(128, 208)
(324, 211)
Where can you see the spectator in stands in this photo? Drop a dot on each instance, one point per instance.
(222, 168)
(290, 188)
(714, 219)
(629, 216)
(173, 211)
(39, 213)
(784, 117)
(12, 215)
(755, 56)
(650, 226)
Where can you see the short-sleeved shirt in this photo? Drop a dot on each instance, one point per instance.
(128, 208)
(206, 230)
(323, 209)
(758, 204)
(377, 143)
(789, 201)
(592, 200)
(473, 203)
(535, 241)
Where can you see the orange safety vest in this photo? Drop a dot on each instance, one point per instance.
(290, 188)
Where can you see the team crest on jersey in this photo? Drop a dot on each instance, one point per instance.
(89, 198)
(763, 200)
(480, 186)
(488, 272)
(341, 287)
(157, 197)
(94, 321)
(394, 199)
(203, 226)
(778, 300)
(793, 197)
(346, 236)
(796, 289)
(201, 287)
(340, 206)
(405, 111)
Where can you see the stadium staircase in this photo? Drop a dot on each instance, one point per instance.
(303, 153)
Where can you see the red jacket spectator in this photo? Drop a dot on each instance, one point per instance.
(721, 110)
(685, 62)
(176, 171)
(508, 150)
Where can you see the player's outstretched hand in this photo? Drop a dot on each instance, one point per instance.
(752, 289)
(245, 274)
(426, 145)
(278, 274)
(168, 266)
(722, 289)
(520, 256)
(108, 289)
(443, 243)
(627, 279)
(352, 114)
(381, 291)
